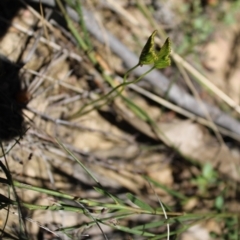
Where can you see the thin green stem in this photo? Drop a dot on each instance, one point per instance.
(80, 112)
(79, 162)
(78, 8)
(10, 183)
(104, 219)
(75, 33)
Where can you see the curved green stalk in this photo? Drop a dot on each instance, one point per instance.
(79, 113)
(125, 83)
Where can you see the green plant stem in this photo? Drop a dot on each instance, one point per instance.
(105, 219)
(115, 88)
(72, 28)
(11, 184)
(114, 207)
(86, 202)
(78, 8)
(79, 162)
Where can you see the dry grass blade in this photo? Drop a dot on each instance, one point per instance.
(205, 82)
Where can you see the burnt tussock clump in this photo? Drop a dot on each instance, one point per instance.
(11, 101)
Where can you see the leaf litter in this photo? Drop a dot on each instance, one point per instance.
(112, 143)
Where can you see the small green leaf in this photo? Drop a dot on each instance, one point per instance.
(219, 202)
(163, 56)
(208, 172)
(148, 54)
(139, 203)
